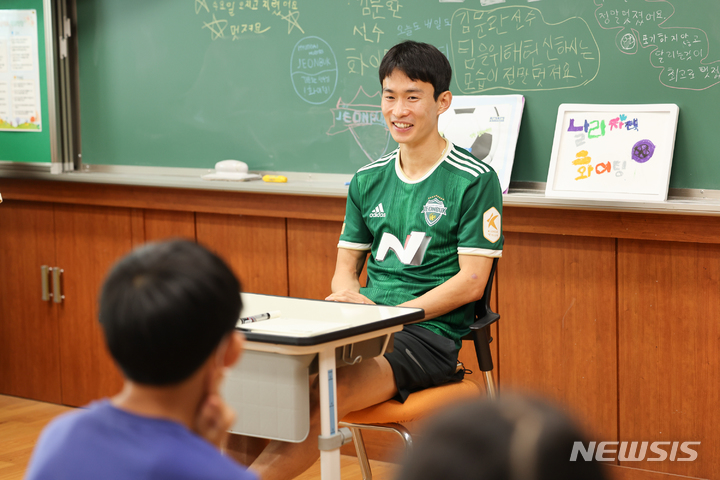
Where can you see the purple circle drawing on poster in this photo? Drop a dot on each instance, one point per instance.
(643, 151)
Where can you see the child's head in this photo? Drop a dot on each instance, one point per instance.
(512, 438)
(419, 61)
(164, 309)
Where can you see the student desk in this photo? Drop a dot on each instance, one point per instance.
(269, 387)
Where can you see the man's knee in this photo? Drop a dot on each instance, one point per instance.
(365, 384)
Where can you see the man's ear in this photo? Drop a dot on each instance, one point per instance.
(444, 100)
(234, 349)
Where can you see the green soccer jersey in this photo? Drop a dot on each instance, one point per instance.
(415, 229)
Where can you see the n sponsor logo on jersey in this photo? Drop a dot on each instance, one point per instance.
(433, 210)
(412, 253)
(378, 212)
(492, 225)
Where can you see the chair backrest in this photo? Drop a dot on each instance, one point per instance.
(484, 315)
(480, 330)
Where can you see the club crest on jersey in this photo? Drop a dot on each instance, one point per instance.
(433, 210)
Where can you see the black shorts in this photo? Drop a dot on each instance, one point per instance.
(422, 359)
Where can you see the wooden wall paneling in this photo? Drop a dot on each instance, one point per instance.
(179, 199)
(669, 350)
(255, 247)
(312, 252)
(675, 227)
(616, 472)
(165, 224)
(556, 295)
(88, 241)
(29, 348)
(137, 226)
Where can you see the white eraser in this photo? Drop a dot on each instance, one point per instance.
(231, 166)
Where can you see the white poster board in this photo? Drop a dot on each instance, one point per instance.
(612, 152)
(19, 72)
(487, 126)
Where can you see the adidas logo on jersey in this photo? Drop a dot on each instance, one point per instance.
(378, 212)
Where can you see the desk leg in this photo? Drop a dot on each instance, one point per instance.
(329, 460)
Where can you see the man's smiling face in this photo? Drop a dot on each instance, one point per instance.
(409, 108)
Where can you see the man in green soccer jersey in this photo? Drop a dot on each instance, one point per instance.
(429, 214)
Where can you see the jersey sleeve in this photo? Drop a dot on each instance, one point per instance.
(355, 234)
(480, 228)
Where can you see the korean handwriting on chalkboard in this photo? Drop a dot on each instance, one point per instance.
(221, 17)
(517, 49)
(682, 52)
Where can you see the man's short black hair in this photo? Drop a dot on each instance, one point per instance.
(419, 61)
(165, 307)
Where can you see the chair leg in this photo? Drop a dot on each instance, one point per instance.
(361, 454)
(490, 385)
(360, 451)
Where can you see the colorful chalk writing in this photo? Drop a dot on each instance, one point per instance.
(232, 20)
(363, 118)
(679, 52)
(407, 29)
(361, 62)
(378, 19)
(368, 37)
(537, 56)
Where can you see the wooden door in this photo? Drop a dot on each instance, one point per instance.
(312, 253)
(88, 241)
(558, 333)
(29, 349)
(160, 225)
(669, 367)
(254, 247)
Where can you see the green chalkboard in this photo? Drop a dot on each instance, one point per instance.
(291, 85)
(30, 146)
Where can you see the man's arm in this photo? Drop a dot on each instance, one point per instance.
(346, 280)
(467, 286)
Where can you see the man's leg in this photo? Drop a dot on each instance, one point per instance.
(358, 386)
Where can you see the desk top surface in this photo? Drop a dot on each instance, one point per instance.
(356, 319)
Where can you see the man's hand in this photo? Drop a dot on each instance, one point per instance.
(213, 420)
(349, 296)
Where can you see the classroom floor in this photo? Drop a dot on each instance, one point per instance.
(21, 421)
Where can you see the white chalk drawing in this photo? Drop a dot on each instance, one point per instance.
(363, 118)
(313, 70)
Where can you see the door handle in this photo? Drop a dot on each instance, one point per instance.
(45, 282)
(58, 297)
